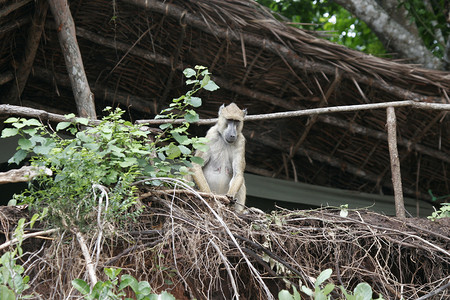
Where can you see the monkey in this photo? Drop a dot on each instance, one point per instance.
(224, 161)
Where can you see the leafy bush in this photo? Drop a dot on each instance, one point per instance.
(112, 289)
(94, 171)
(362, 291)
(12, 281)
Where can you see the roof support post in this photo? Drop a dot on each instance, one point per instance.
(395, 162)
(84, 98)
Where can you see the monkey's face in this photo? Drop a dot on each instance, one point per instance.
(232, 128)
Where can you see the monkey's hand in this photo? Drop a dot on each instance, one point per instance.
(231, 198)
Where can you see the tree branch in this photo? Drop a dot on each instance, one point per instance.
(389, 31)
(24, 174)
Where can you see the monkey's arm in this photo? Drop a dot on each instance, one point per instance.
(238, 171)
(199, 177)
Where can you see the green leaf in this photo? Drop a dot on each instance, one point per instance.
(6, 293)
(185, 150)
(166, 296)
(83, 121)
(69, 116)
(188, 72)
(165, 125)
(25, 144)
(32, 122)
(285, 295)
(181, 139)
(173, 151)
(191, 81)
(307, 290)
(211, 86)
(18, 157)
(128, 162)
(128, 280)
(112, 273)
(62, 125)
(81, 286)
(11, 120)
(322, 277)
(7, 132)
(363, 291)
(191, 116)
(195, 101)
(197, 160)
(144, 288)
(328, 289)
(33, 220)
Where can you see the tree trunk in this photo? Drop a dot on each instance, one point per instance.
(404, 40)
(72, 56)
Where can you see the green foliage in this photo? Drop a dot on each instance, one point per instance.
(101, 163)
(340, 25)
(443, 212)
(115, 289)
(344, 28)
(12, 281)
(431, 22)
(362, 291)
(178, 145)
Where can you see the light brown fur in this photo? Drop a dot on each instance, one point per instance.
(224, 161)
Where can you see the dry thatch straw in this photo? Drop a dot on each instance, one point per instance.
(196, 247)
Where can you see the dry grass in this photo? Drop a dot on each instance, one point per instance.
(196, 247)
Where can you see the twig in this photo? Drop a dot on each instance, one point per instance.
(84, 249)
(229, 233)
(222, 198)
(436, 291)
(395, 163)
(26, 236)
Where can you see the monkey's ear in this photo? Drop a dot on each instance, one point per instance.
(245, 112)
(220, 108)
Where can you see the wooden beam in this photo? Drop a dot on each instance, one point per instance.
(33, 39)
(72, 56)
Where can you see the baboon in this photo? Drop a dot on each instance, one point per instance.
(224, 161)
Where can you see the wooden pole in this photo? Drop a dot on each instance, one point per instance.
(72, 56)
(395, 162)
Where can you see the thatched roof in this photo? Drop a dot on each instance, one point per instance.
(134, 52)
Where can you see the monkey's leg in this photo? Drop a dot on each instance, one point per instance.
(240, 199)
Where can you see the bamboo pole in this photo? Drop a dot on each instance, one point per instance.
(395, 162)
(72, 56)
(315, 111)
